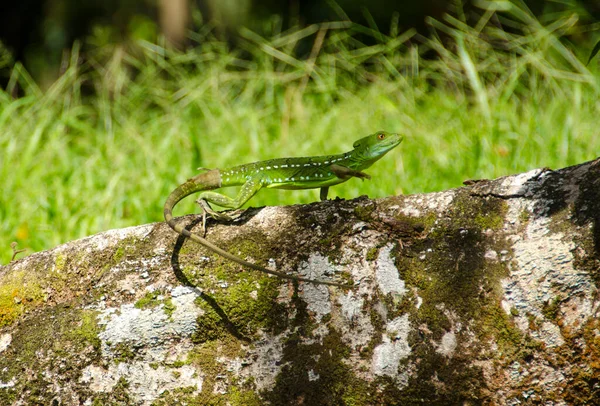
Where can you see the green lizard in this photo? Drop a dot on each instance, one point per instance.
(282, 173)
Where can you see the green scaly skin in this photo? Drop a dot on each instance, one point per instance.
(281, 173)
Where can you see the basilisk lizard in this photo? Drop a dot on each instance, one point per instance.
(282, 173)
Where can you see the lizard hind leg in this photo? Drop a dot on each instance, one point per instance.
(248, 190)
(203, 202)
(205, 206)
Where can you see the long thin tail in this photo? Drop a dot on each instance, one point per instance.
(192, 186)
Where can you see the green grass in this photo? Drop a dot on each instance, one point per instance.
(105, 144)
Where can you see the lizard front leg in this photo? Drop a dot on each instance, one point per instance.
(343, 172)
(323, 193)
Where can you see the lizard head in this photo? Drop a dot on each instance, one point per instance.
(376, 145)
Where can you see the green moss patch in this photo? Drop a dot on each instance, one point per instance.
(245, 307)
(154, 299)
(19, 291)
(317, 374)
(60, 341)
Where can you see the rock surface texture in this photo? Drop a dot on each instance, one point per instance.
(486, 294)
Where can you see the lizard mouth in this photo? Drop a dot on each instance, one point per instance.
(384, 146)
(392, 141)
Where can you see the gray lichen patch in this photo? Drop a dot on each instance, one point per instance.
(150, 328)
(316, 296)
(5, 340)
(267, 353)
(356, 326)
(9, 384)
(418, 205)
(550, 294)
(520, 185)
(394, 348)
(145, 383)
(386, 273)
(543, 272)
(448, 344)
(110, 238)
(136, 350)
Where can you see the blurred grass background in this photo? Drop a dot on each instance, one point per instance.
(99, 147)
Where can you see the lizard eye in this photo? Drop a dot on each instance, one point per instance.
(381, 136)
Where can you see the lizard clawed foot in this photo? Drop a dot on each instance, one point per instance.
(206, 209)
